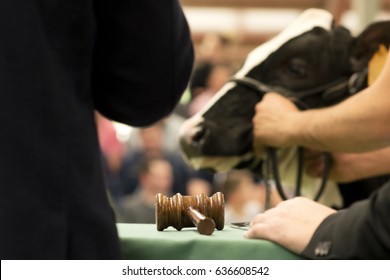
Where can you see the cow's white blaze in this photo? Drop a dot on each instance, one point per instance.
(305, 22)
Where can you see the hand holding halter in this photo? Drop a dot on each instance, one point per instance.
(335, 88)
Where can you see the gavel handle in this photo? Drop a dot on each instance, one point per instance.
(204, 224)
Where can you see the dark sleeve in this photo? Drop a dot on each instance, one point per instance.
(359, 232)
(142, 60)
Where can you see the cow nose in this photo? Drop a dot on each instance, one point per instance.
(199, 135)
(192, 136)
(196, 136)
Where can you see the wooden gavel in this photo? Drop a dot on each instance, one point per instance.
(206, 213)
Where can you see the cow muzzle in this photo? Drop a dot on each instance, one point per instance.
(192, 136)
(194, 133)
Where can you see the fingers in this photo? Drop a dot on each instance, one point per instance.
(271, 122)
(314, 163)
(258, 231)
(315, 167)
(261, 114)
(258, 145)
(262, 225)
(315, 170)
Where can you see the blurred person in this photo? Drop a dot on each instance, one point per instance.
(261, 196)
(170, 134)
(113, 152)
(199, 77)
(212, 53)
(61, 60)
(155, 176)
(197, 186)
(207, 79)
(360, 124)
(212, 48)
(241, 203)
(151, 146)
(152, 139)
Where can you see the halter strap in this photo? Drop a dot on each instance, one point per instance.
(331, 92)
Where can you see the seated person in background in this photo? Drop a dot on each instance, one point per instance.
(155, 176)
(241, 201)
(197, 186)
(151, 147)
(208, 78)
(170, 127)
(113, 152)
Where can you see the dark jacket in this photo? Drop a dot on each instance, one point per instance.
(59, 61)
(360, 232)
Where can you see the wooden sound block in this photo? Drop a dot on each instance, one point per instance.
(188, 211)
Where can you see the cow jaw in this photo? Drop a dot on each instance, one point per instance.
(218, 164)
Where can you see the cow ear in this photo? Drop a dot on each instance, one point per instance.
(367, 43)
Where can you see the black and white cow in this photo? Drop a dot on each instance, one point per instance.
(308, 54)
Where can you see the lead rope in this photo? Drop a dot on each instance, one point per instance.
(273, 162)
(325, 175)
(299, 172)
(266, 178)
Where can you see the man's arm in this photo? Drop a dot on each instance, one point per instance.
(361, 232)
(347, 167)
(316, 231)
(359, 124)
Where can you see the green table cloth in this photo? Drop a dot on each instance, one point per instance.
(143, 241)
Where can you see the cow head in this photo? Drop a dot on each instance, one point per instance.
(309, 53)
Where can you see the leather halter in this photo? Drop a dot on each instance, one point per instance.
(331, 93)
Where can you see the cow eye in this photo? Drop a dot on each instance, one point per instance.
(297, 68)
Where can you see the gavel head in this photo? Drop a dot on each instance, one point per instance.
(172, 211)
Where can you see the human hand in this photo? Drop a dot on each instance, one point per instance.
(291, 223)
(273, 122)
(342, 169)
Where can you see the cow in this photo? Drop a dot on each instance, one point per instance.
(312, 61)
